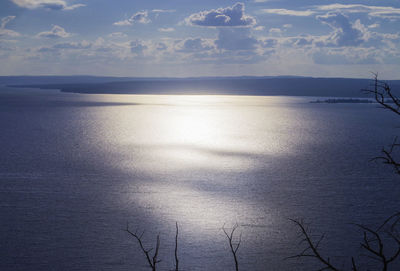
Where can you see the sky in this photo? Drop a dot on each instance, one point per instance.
(183, 38)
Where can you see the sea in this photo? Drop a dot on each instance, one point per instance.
(78, 170)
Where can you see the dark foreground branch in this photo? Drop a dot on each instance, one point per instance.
(151, 260)
(176, 248)
(388, 156)
(384, 96)
(312, 249)
(234, 247)
(381, 245)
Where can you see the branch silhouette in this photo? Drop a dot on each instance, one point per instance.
(384, 96)
(234, 247)
(151, 260)
(176, 247)
(312, 248)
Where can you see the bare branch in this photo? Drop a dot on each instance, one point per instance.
(383, 95)
(176, 248)
(313, 248)
(152, 261)
(234, 247)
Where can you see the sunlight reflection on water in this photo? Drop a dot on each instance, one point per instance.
(164, 135)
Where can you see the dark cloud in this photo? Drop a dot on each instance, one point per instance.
(231, 16)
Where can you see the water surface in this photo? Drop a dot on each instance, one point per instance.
(75, 168)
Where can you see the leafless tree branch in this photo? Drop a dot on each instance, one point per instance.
(312, 249)
(234, 247)
(383, 95)
(176, 248)
(151, 260)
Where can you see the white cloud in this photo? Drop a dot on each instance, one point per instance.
(7, 32)
(230, 16)
(374, 25)
(288, 12)
(259, 28)
(345, 33)
(374, 11)
(167, 29)
(141, 17)
(55, 32)
(48, 4)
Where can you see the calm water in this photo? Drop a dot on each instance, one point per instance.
(74, 169)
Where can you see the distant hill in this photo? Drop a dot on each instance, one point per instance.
(281, 85)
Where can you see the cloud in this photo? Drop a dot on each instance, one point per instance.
(137, 47)
(161, 46)
(67, 46)
(7, 32)
(348, 56)
(55, 32)
(117, 35)
(275, 30)
(141, 17)
(374, 25)
(303, 41)
(345, 33)
(47, 4)
(235, 39)
(259, 28)
(374, 11)
(163, 10)
(194, 45)
(288, 12)
(231, 16)
(6, 20)
(269, 43)
(73, 45)
(167, 29)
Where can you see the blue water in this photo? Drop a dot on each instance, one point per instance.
(74, 169)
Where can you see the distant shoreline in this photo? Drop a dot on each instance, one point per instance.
(264, 86)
